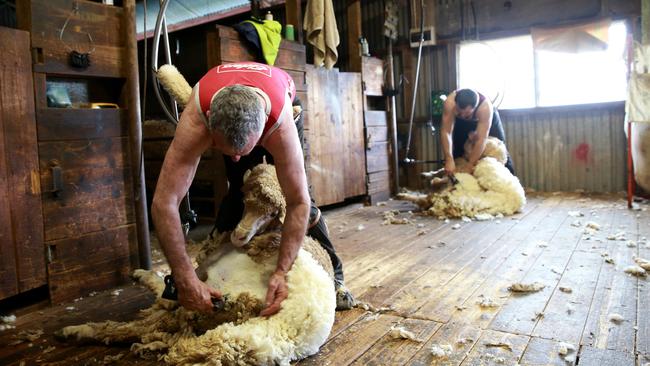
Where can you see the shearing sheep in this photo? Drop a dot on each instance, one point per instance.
(240, 269)
(490, 191)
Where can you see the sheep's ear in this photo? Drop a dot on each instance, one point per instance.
(246, 175)
(264, 159)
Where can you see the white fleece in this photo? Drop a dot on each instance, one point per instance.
(491, 190)
(297, 331)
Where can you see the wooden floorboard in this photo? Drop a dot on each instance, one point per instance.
(433, 278)
(461, 337)
(643, 295)
(604, 357)
(496, 348)
(570, 300)
(616, 291)
(522, 311)
(529, 241)
(391, 351)
(544, 352)
(121, 306)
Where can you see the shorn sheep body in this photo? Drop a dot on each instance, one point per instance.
(236, 335)
(490, 191)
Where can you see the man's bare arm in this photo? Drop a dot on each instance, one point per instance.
(484, 115)
(285, 147)
(190, 140)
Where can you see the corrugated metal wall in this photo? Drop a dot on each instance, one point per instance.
(569, 148)
(553, 149)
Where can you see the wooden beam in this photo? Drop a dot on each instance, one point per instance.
(135, 139)
(293, 9)
(354, 33)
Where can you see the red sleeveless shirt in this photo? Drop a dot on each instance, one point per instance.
(273, 83)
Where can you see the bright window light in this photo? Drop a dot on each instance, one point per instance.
(504, 70)
(585, 77)
(500, 69)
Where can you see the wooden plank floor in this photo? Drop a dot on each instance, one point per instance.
(432, 277)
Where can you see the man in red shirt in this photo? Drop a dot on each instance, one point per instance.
(244, 110)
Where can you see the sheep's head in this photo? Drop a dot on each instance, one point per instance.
(264, 203)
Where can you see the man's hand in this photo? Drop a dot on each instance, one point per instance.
(450, 167)
(276, 293)
(196, 295)
(467, 168)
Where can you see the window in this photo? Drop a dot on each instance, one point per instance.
(518, 76)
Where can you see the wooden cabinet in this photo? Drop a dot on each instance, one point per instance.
(85, 163)
(378, 149)
(22, 254)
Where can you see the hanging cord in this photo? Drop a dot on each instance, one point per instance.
(471, 4)
(415, 84)
(75, 11)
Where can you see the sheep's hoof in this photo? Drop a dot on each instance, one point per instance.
(344, 299)
(59, 335)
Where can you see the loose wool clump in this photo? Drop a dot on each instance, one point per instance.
(526, 287)
(490, 191)
(616, 318)
(441, 351)
(635, 270)
(175, 84)
(235, 335)
(643, 263)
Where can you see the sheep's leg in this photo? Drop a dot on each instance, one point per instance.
(106, 332)
(156, 320)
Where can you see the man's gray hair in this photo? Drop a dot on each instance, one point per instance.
(237, 112)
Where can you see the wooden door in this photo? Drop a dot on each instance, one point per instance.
(337, 162)
(22, 253)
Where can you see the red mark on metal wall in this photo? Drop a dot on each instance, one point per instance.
(582, 153)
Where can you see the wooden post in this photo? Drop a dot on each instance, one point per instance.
(354, 33)
(392, 105)
(135, 136)
(293, 9)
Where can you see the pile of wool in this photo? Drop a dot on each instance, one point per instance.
(236, 335)
(297, 331)
(491, 190)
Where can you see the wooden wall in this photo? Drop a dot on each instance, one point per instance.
(89, 223)
(22, 254)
